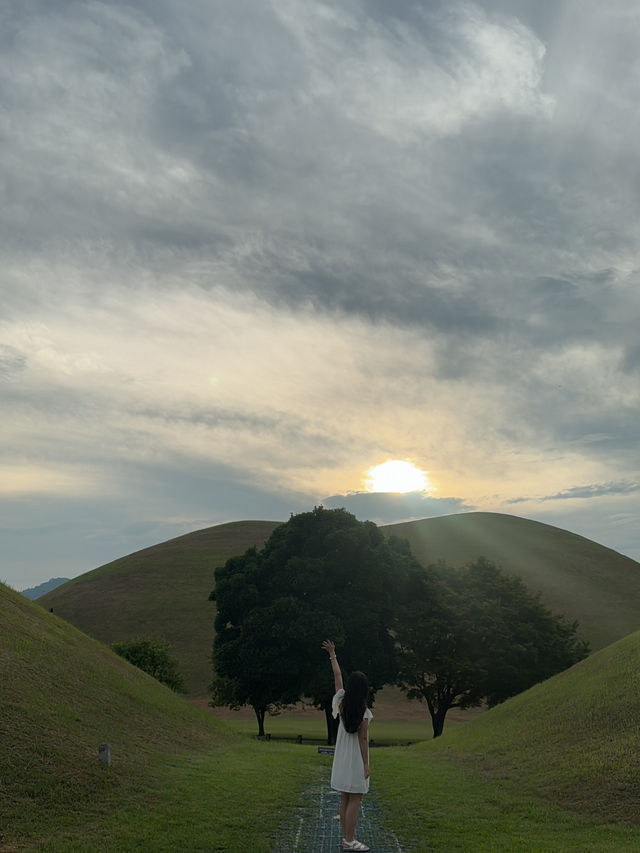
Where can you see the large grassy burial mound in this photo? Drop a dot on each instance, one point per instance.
(555, 768)
(178, 778)
(63, 694)
(160, 592)
(574, 740)
(574, 576)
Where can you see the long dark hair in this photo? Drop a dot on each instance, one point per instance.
(354, 703)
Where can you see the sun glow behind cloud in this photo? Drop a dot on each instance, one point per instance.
(399, 476)
(197, 318)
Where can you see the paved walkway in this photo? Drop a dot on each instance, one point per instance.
(315, 828)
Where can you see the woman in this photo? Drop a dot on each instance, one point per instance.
(350, 771)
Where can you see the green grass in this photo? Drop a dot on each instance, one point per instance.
(179, 779)
(574, 740)
(555, 769)
(313, 729)
(235, 799)
(434, 804)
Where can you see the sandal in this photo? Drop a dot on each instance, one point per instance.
(353, 845)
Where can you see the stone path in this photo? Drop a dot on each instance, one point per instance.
(315, 828)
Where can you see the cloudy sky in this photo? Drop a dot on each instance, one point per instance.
(252, 249)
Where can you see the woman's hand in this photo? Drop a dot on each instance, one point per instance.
(329, 646)
(366, 771)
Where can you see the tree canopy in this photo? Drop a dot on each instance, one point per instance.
(321, 574)
(472, 635)
(153, 657)
(454, 638)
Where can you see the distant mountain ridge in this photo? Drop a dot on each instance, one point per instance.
(34, 592)
(162, 591)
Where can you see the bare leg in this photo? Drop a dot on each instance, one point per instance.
(352, 809)
(344, 799)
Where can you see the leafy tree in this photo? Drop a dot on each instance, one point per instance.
(152, 656)
(322, 574)
(472, 635)
(253, 663)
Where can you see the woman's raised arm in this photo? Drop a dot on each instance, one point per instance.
(330, 647)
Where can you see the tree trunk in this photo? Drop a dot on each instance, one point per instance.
(437, 721)
(438, 713)
(332, 725)
(260, 712)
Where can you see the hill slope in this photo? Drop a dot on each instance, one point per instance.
(160, 592)
(63, 694)
(573, 740)
(574, 576)
(178, 779)
(554, 769)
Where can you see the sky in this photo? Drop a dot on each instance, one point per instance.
(250, 250)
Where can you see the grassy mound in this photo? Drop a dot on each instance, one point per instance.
(555, 768)
(178, 779)
(574, 576)
(574, 740)
(160, 592)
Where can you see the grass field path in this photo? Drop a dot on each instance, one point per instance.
(315, 827)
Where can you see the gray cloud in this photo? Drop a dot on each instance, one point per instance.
(68, 535)
(229, 126)
(12, 363)
(631, 359)
(595, 490)
(387, 508)
(381, 228)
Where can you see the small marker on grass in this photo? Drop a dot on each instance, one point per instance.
(104, 754)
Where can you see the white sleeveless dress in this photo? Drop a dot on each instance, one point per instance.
(347, 773)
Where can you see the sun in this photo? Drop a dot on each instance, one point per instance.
(397, 475)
